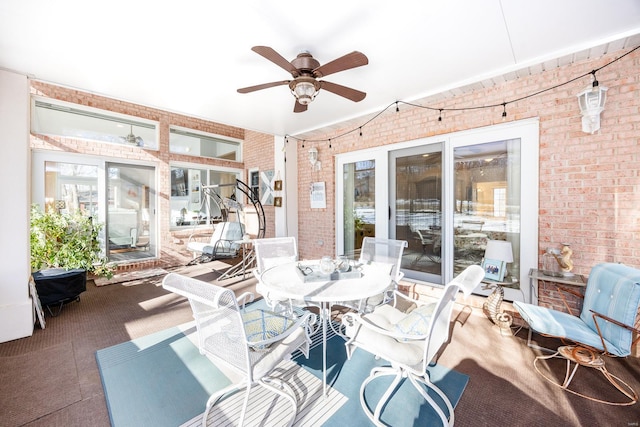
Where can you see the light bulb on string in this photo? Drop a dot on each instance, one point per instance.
(397, 108)
(504, 110)
(440, 116)
(595, 80)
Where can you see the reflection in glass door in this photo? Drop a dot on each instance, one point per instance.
(417, 218)
(71, 187)
(358, 204)
(487, 202)
(130, 212)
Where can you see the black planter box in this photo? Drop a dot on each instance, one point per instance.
(57, 286)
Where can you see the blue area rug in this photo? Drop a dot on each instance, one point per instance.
(157, 380)
(405, 408)
(162, 380)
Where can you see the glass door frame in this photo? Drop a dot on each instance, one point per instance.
(526, 130)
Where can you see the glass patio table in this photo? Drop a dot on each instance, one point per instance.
(287, 281)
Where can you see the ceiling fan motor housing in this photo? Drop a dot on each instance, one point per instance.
(305, 62)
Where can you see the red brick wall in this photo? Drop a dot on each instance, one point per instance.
(258, 153)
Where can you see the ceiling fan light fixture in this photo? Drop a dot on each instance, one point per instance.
(304, 92)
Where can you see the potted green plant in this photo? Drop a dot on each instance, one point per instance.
(64, 247)
(69, 241)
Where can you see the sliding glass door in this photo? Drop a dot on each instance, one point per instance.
(447, 197)
(415, 191)
(130, 212)
(122, 197)
(487, 202)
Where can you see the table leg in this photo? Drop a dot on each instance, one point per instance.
(325, 318)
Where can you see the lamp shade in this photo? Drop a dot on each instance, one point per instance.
(313, 156)
(305, 92)
(591, 102)
(499, 250)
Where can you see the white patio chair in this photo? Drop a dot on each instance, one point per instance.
(383, 251)
(409, 341)
(251, 342)
(271, 252)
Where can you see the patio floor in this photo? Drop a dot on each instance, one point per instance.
(52, 379)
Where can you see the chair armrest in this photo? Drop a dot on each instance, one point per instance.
(197, 237)
(408, 300)
(225, 246)
(569, 291)
(595, 316)
(245, 298)
(305, 321)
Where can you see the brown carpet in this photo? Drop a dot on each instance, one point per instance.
(52, 379)
(51, 374)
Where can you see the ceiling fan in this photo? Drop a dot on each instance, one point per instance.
(306, 71)
(132, 139)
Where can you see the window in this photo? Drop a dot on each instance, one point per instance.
(191, 202)
(188, 142)
(74, 121)
(254, 179)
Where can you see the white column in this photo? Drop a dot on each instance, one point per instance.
(286, 163)
(16, 310)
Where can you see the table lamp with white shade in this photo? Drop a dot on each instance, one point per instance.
(496, 256)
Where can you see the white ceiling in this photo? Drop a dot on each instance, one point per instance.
(191, 56)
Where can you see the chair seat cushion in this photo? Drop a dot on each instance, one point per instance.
(197, 246)
(261, 325)
(560, 324)
(387, 317)
(388, 348)
(417, 322)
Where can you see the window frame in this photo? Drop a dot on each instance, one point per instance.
(211, 137)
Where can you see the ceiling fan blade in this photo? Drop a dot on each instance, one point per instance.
(346, 62)
(262, 86)
(276, 58)
(347, 92)
(299, 108)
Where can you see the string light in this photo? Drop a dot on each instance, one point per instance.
(503, 104)
(595, 80)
